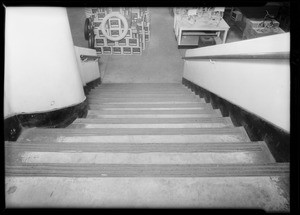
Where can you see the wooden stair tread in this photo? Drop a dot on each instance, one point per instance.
(142, 131)
(135, 112)
(154, 120)
(95, 103)
(147, 170)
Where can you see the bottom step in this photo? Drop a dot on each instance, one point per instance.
(232, 192)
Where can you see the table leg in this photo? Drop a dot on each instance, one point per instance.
(225, 36)
(179, 37)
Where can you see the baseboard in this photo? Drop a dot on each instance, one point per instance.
(257, 128)
(53, 119)
(188, 46)
(91, 85)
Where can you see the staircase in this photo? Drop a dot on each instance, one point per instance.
(144, 145)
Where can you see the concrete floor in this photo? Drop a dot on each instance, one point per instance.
(161, 60)
(230, 192)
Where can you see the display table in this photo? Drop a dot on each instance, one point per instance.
(187, 33)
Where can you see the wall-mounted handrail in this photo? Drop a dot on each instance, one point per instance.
(274, 55)
(89, 57)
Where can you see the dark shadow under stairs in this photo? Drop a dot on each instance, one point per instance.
(145, 145)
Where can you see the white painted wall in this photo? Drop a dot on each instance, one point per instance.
(41, 72)
(89, 70)
(261, 87)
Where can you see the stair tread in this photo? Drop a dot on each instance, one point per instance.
(42, 156)
(135, 135)
(135, 112)
(135, 192)
(148, 105)
(154, 102)
(204, 115)
(154, 120)
(143, 99)
(146, 170)
(142, 86)
(134, 131)
(173, 125)
(139, 93)
(101, 108)
(137, 147)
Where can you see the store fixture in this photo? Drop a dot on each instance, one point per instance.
(196, 27)
(263, 27)
(89, 32)
(118, 30)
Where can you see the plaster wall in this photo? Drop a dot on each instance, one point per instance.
(261, 87)
(41, 72)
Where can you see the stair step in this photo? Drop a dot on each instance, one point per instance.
(141, 135)
(142, 158)
(124, 192)
(142, 90)
(94, 114)
(167, 153)
(108, 101)
(146, 170)
(100, 108)
(155, 112)
(135, 147)
(146, 97)
(164, 99)
(128, 121)
(148, 104)
(207, 115)
(171, 125)
(140, 94)
(152, 123)
(141, 86)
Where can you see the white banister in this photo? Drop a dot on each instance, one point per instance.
(260, 86)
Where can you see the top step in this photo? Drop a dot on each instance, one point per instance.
(142, 86)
